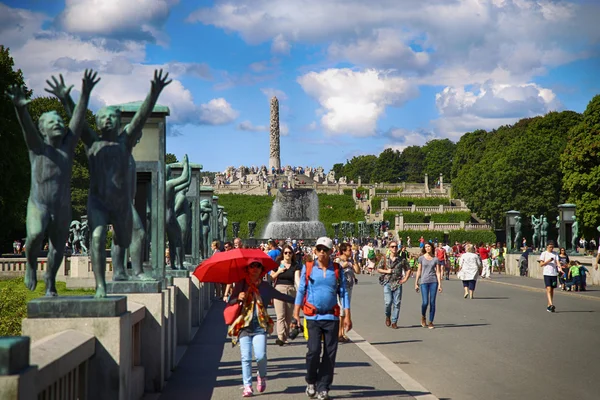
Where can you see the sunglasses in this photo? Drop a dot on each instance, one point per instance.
(393, 247)
(322, 248)
(287, 252)
(254, 265)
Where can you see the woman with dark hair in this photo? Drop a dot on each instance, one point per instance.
(429, 271)
(563, 260)
(253, 324)
(285, 278)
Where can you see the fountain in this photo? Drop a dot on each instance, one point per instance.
(295, 214)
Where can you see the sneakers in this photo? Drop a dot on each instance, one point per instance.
(430, 326)
(279, 342)
(247, 391)
(323, 395)
(423, 322)
(551, 309)
(311, 391)
(262, 384)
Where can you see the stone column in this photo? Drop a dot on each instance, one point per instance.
(426, 183)
(359, 181)
(274, 154)
(353, 193)
(442, 182)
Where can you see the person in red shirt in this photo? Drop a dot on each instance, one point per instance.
(442, 257)
(484, 253)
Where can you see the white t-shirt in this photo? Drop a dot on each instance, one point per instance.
(550, 269)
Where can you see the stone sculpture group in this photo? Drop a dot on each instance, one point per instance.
(112, 180)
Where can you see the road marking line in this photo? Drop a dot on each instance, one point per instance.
(534, 289)
(413, 387)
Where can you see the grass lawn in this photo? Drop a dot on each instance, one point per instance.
(13, 302)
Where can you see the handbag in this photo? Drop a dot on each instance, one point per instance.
(232, 312)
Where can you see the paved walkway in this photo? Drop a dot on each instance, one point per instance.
(211, 369)
(501, 345)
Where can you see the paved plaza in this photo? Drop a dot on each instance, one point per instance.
(500, 345)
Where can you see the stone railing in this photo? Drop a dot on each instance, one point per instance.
(511, 266)
(77, 354)
(428, 209)
(433, 226)
(72, 266)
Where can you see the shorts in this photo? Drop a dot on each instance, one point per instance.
(442, 263)
(495, 262)
(550, 281)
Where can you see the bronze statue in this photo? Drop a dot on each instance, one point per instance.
(138, 232)
(518, 232)
(574, 234)
(205, 213)
(544, 232)
(173, 185)
(51, 151)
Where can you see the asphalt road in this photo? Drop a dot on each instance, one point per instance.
(501, 345)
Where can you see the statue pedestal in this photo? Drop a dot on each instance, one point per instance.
(80, 267)
(107, 319)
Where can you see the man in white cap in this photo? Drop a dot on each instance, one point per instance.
(317, 295)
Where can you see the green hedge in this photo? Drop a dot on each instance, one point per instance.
(361, 189)
(13, 302)
(390, 216)
(243, 208)
(336, 208)
(407, 201)
(453, 236)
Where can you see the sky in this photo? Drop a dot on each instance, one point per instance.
(353, 77)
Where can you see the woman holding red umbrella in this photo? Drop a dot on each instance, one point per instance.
(254, 323)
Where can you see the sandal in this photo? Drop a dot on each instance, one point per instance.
(342, 339)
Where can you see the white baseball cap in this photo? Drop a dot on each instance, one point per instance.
(324, 241)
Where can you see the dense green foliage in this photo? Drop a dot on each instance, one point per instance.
(408, 201)
(453, 236)
(14, 160)
(170, 158)
(243, 208)
(336, 208)
(13, 302)
(514, 167)
(580, 165)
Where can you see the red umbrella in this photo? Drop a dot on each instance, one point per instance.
(230, 266)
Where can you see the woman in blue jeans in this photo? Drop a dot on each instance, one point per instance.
(253, 324)
(430, 273)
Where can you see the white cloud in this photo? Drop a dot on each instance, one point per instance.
(137, 20)
(353, 101)
(385, 48)
(217, 112)
(284, 129)
(270, 92)
(521, 38)
(490, 105)
(280, 45)
(18, 25)
(259, 66)
(250, 127)
(403, 138)
(198, 70)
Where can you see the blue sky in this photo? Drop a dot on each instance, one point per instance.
(353, 77)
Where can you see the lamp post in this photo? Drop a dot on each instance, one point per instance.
(566, 212)
(511, 220)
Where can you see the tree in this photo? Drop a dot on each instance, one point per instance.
(388, 167)
(411, 160)
(580, 165)
(362, 166)
(438, 158)
(14, 160)
(170, 158)
(338, 169)
(467, 153)
(80, 179)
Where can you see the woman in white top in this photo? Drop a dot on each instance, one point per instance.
(469, 265)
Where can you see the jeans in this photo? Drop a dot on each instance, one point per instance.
(392, 297)
(319, 371)
(257, 340)
(428, 295)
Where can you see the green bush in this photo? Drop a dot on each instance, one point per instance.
(390, 216)
(336, 208)
(13, 302)
(453, 236)
(243, 208)
(408, 201)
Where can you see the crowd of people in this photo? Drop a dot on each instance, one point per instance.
(319, 279)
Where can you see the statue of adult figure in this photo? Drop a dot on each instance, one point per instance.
(536, 224)
(84, 236)
(138, 232)
(544, 232)
(174, 234)
(518, 232)
(205, 213)
(183, 208)
(557, 225)
(75, 237)
(51, 151)
(574, 234)
(225, 225)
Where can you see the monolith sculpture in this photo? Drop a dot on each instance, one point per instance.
(274, 154)
(51, 151)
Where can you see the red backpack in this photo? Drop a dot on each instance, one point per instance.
(309, 309)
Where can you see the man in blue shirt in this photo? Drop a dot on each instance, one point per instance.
(321, 292)
(274, 251)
